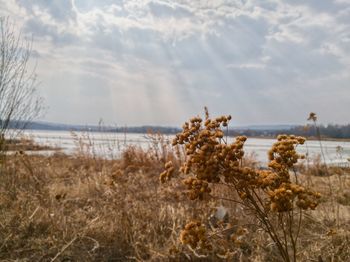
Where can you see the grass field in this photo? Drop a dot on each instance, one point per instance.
(83, 208)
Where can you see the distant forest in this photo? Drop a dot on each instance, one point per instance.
(326, 131)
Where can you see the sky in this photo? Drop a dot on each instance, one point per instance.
(139, 62)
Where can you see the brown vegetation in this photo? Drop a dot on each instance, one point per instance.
(24, 144)
(83, 208)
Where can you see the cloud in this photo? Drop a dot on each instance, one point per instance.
(165, 10)
(159, 62)
(59, 10)
(38, 29)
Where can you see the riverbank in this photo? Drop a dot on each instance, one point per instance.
(26, 144)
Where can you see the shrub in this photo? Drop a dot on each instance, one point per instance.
(271, 197)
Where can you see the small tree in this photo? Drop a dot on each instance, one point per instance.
(19, 102)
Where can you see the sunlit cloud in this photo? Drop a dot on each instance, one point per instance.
(159, 62)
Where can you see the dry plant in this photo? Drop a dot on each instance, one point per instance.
(270, 196)
(321, 168)
(313, 117)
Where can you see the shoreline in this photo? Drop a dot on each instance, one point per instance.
(312, 138)
(307, 138)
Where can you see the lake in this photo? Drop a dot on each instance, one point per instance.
(111, 144)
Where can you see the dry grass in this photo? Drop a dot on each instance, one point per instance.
(82, 208)
(24, 144)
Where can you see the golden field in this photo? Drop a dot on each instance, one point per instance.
(84, 208)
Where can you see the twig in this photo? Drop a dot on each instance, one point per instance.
(64, 248)
(6, 239)
(97, 244)
(32, 215)
(75, 238)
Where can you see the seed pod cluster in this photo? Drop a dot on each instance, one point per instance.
(211, 159)
(194, 234)
(196, 188)
(282, 198)
(209, 156)
(283, 155)
(167, 173)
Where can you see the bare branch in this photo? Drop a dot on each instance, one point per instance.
(19, 102)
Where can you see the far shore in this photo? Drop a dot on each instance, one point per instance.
(310, 138)
(307, 138)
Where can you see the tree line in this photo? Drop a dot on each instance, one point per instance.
(326, 131)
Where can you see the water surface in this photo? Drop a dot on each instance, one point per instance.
(111, 144)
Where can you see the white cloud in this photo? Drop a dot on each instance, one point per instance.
(158, 62)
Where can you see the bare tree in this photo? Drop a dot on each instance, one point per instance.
(19, 102)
